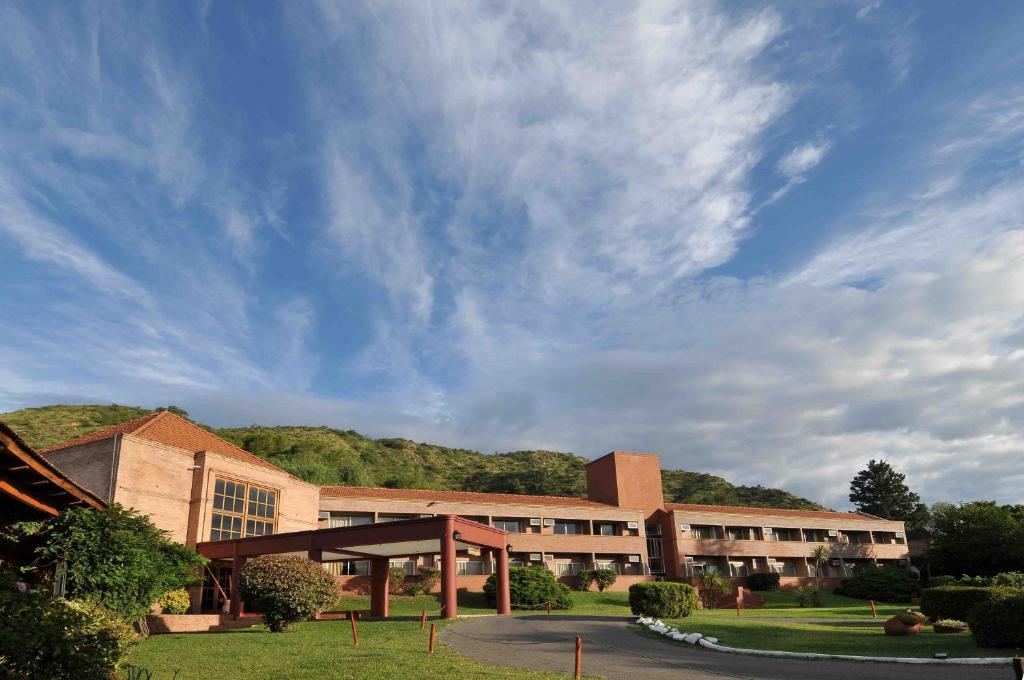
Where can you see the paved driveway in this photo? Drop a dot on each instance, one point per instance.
(512, 641)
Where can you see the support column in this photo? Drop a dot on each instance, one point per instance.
(380, 597)
(448, 570)
(501, 581)
(237, 606)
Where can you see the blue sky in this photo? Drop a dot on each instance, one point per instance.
(768, 241)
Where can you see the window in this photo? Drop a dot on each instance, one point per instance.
(348, 568)
(408, 565)
(568, 568)
(566, 527)
(739, 533)
(784, 534)
(703, 531)
(604, 529)
(510, 525)
(469, 567)
(614, 566)
(347, 520)
(241, 509)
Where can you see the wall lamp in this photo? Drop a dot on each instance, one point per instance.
(457, 536)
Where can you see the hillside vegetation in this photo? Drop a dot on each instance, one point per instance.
(325, 455)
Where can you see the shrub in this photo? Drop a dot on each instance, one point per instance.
(936, 581)
(803, 595)
(175, 602)
(47, 637)
(531, 588)
(118, 558)
(396, 577)
(604, 578)
(910, 617)
(713, 587)
(584, 578)
(285, 588)
(1006, 579)
(662, 599)
(956, 602)
(998, 622)
(425, 584)
(765, 580)
(886, 584)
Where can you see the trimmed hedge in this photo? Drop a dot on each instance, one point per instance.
(937, 581)
(886, 584)
(531, 588)
(764, 580)
(999, 622)
(662, 599)
(956, 602)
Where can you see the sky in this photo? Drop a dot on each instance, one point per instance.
(768, 241)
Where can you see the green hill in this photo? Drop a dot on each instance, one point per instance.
(324, 455)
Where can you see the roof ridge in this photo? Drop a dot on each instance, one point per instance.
(127, 426)
(477, 493)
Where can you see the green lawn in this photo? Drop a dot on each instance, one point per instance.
(783, 604)
(313, 650)
(591, 603)
(864, 638)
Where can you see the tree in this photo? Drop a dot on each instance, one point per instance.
(286, 588)
(881, 491)
(118, 558)
(978, 538)
(605, 578)
(180, 412)
(819, 556)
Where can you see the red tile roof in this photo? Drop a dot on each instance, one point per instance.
(774, 512)
(373, 492)
(167, 428)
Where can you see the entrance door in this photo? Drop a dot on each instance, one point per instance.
(213, 598)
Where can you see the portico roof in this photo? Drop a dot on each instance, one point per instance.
(406, 538)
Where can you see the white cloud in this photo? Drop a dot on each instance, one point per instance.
(797, 162)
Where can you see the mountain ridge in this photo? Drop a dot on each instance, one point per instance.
(331, 456)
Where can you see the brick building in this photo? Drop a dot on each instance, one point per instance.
(200, 488)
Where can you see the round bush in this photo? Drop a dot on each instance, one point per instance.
(175, 602)
(764, 580)
(531, 588)
(956, 602)
(662, 599)
(998, 622)
(285, 588)
(47, 637)
(887, 584)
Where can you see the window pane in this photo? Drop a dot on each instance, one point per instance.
(250, 527)
(218, 486)
(216, 521)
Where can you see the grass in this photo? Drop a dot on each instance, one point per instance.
(864, 638)
(591, 603)
(313, 650)
(783, 604)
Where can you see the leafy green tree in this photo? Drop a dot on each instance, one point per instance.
(118, 558)
(978, 538)
(605, 578)
(881, 491)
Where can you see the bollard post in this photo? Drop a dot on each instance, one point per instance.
(549, 607)
(433, 634)
(423, 619)
(578, 671)
(739, 600)
(874, 613)
(1018, 668)
(355, 633)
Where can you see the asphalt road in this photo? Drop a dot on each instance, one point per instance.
(612, 650)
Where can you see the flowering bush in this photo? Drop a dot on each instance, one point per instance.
(286, 588)
(175, 602)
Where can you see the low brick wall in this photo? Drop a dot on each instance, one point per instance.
(198, 623)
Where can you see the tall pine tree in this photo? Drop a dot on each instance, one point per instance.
(881, 491)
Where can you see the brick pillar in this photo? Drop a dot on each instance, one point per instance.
(501, 581)
(448, 570)
(380, 599)
(237, 606)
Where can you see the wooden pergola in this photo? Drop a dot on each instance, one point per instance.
(445, 535)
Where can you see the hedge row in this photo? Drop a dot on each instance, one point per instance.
(956, 602)
(998, 622)
(885, 584)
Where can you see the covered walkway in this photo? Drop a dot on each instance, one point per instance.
(443, 535)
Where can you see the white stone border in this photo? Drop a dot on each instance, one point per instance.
(659, 627)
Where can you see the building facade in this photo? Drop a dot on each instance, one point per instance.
(199, 487)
